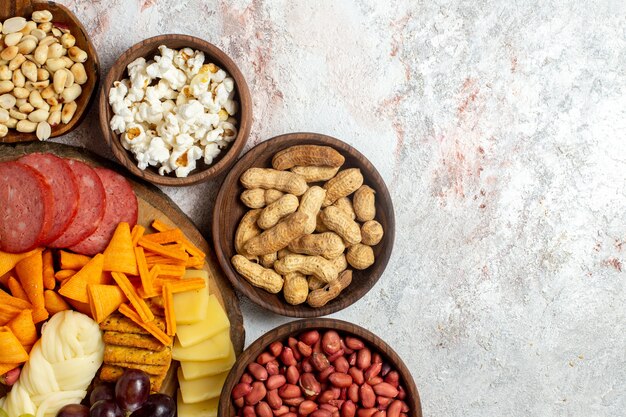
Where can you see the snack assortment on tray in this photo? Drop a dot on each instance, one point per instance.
(174, 110)
(118, 313)
(103, 307)
(41, 74)
(301, 238)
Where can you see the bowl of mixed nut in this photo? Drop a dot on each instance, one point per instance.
(49, 71)
(319, 368)
(175, 110)
(303, 225)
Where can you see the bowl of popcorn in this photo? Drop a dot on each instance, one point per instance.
(175, 110)
(49, 71)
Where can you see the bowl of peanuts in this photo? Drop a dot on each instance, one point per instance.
(319, 368)
(176, 110)
(49, 71)
(303, 225)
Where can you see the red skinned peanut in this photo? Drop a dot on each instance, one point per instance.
(263, 409)
(353, 393)
(292, 374)
(310, 337)
(331, 342)
(257, 394)
(363, 358)
(366, 412)
(341, 365)
(305, 349)
(264, 358)
(287, 357)
(248, 411)
(275, 348)
(307, 407)
(289, 391)
(340, 380)
(257, 371)
(275, 381)
(386, 390)
(273, 399)
(394, 409)
(367, 396)
(321, 413)
(348, 409)
(281, 411)
(241, 390)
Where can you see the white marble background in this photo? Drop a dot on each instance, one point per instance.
(500, 128)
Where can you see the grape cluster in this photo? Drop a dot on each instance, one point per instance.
(131, 395)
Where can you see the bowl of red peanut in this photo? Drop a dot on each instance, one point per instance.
(319, 368)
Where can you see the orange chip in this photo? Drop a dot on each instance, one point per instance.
(75, 288)
(135, 300)
(16, 289)
(160, 226)
(64, 274)
(4, 279)
(168, 305)
(30, 273)
(48, 270)
(23, 327)
(104, 300)
(68, 260)
(84, 308)
(149, 327)
(12, 350)
(144, 274)
(168, 236)
(8, 301)
(171, 271)
(54, 302)
(119, 255)
(9, 260)
(166, 251)
(189, 284)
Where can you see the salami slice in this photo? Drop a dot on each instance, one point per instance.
(91, 204)
(64, 190)
(121, 206)
(26, 207)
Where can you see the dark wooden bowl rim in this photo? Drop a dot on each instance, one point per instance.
(281, 333)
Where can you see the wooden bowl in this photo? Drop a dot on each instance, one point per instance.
(148, 49)
(294, 328)
(229, 210)
(61, 15)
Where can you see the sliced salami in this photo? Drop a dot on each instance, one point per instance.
(121, 206)
(26, 207)
(64, 190)
(91, 204)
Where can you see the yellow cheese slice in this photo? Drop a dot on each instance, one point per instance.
(216, 347)
(206, 408)
(215, 321)
(194, 370)
(191, 306)
(201, 389)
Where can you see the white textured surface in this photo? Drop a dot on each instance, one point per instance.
(500, 130)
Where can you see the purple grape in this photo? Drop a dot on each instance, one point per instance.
(157, 405)
(106, 408)
(132, 389)
(101, 392)
(74, 410)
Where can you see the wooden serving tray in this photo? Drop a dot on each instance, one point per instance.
(154, 204)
